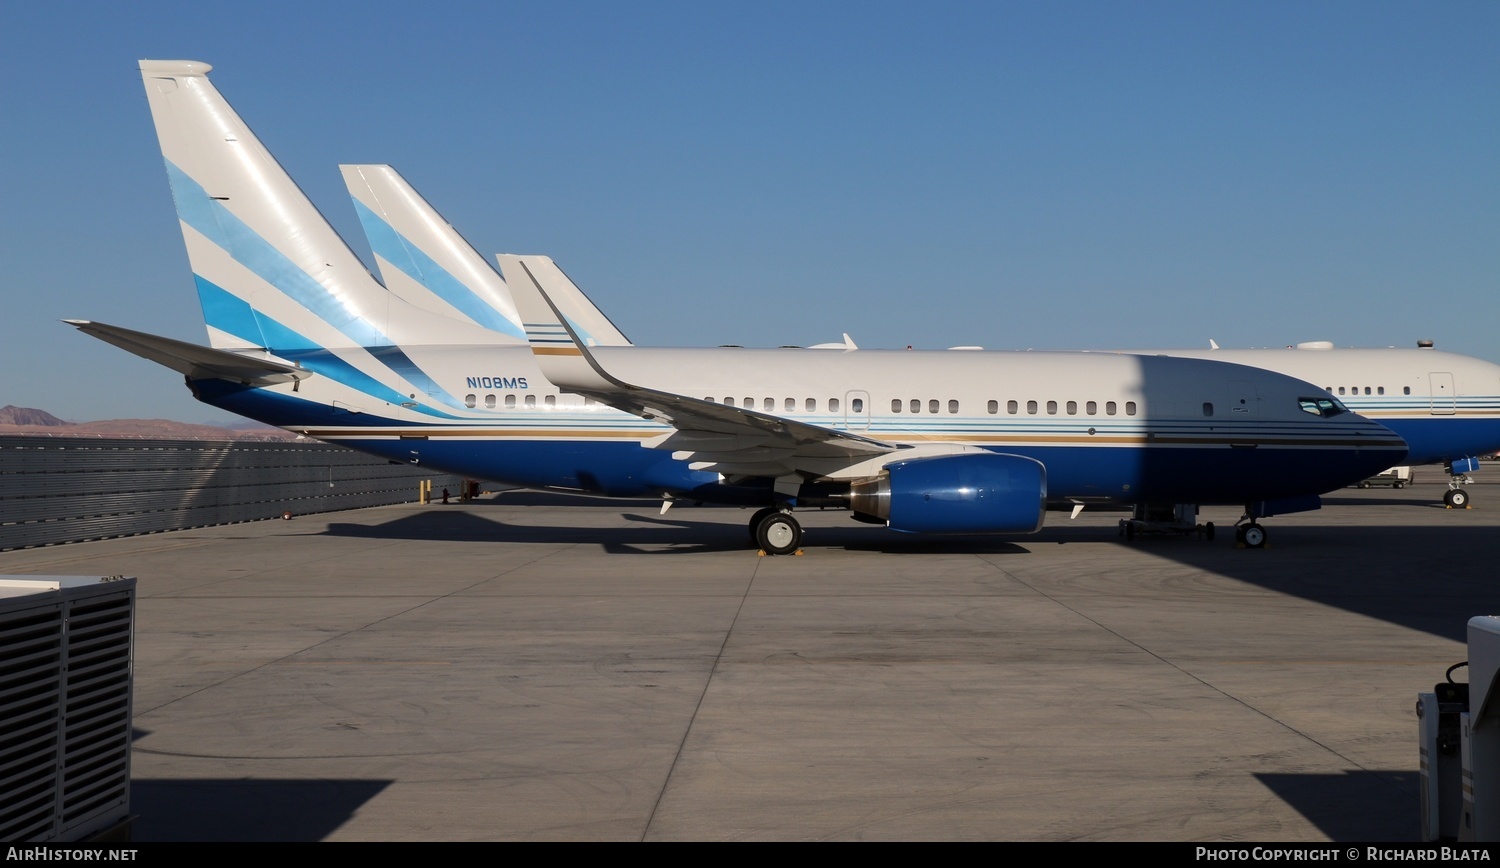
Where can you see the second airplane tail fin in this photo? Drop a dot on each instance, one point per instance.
(423, 259)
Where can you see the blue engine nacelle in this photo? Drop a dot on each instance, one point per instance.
(970, 493)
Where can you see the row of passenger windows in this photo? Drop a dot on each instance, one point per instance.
(856, 405)
(933, 405)
(472, 401)
(1090, 408)
(1355, 390)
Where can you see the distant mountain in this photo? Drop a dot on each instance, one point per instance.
(29, 421)
(13, 415)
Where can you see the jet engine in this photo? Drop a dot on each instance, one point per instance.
(971, 493)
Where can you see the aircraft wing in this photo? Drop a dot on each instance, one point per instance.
(191, 360)
(715, 437)
(735, 441)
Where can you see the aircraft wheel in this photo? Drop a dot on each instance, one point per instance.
(755, 520)
(779, 534)
(1208, 531)
(1457, 498)
(1254, 536)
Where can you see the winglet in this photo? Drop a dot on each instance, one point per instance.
(559, 351)
(594, 329)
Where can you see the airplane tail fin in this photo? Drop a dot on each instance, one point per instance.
(592, 326)
(271, 273)
(423, 259)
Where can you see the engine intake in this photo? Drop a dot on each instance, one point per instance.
(975, 493)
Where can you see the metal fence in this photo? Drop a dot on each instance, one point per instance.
(70, 489)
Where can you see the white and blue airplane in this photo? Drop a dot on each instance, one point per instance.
(303, 337)
(1445, 406)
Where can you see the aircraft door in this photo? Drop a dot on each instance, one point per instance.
(1444, 396)
(857, 411)
(1243, 399)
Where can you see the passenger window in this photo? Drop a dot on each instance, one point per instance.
(531, 402)
(1406, 390)
(749, 403)
(857, 405)
(510, 402)
(1129, 408)
(916, 406)
(1109, 408)
(729, 402)
(790, 404)
(1380, 390)
(993, 407)
(932, 406)
(768, 404)
(952, 406)
(1367, 390)
(1012, 407)
(1031, 407)
(551, 401)
(1208, 408)
(489, 402)
(812, 405)
(1341, 390)
(1072, 408)
(1092, 408)
(833, 405)
(895, 405)
(1051, 408)
(469, 401)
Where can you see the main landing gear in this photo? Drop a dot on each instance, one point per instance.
(1456, 498)
(775, 531)
(1249, 536)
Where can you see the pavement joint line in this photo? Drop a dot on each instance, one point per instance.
(687, 731)
(1211, 686)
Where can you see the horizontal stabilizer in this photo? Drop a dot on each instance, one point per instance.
(191, 360)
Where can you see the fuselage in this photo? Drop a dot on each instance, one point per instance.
(1110, 428)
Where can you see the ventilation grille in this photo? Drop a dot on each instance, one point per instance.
(65, 690)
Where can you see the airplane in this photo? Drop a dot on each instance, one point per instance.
(303, 337)
(1445, 406)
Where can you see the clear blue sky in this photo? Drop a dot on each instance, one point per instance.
(1051, 175)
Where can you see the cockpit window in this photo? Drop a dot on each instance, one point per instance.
(1325, 407)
